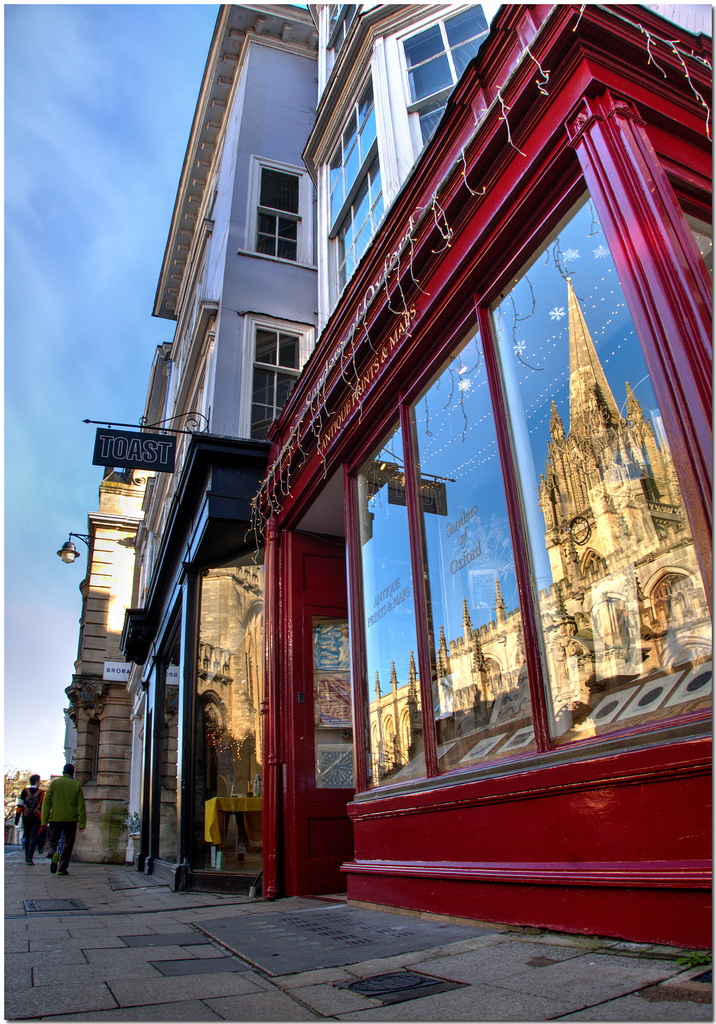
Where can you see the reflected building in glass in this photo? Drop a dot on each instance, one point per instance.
(623, 616)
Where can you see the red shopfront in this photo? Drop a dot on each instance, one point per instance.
(488, 516)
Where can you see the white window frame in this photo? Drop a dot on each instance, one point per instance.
(304, 218)
(252, 323)
(414, 107)
(337, 34)
(373, 152)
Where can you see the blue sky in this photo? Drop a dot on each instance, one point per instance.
(99, 101)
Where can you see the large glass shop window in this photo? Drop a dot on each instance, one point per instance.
(395, 735)
(168, 822)
(229, 735)
(481, 702)
(624, 623)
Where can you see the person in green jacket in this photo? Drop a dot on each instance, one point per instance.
(63, 810)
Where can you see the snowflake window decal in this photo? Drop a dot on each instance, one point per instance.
(557, 312)
(600, 252)
(465, 384)
(570, 255)
(520, 346)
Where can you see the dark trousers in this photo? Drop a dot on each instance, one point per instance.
(54, 830)
(30, 828)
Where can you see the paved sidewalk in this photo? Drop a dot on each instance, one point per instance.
(131, 949)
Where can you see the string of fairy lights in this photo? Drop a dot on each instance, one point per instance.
(309, 429)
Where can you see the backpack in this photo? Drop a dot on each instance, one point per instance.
(32, 803)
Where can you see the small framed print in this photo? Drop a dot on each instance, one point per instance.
(650, 697)
(521, 738)
(697, 683)
(483, 747)
(333, 701)
(611, 704)
(334, 766)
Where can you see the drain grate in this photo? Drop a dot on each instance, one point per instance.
(399, 986)
(50, 906)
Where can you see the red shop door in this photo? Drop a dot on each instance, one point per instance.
(319, 742)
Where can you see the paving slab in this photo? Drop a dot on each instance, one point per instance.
(87, 973)
(266, 1006)
(329, 976)
(54, 959)
(329, 1000)
(165, 990)
(207, 952)
(636, 1008)
(192, 1009)
(17, 945)
(128, 957)
(95, 941)
(474, 1003)
(186, 968)
(489, 964)
(288, 943)
(590, 979)
(27, 1004)
(187, 938)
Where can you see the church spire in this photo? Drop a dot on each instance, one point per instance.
(500, 614)
(591, 402)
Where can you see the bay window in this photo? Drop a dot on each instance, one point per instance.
(356, 194)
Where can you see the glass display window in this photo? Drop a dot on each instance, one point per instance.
(481, 700)
(621, 610)
(228, 780)
(395, 737)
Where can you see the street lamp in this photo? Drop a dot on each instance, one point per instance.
(68, 552)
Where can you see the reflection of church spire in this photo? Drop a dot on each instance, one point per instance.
(466, 622)
(500, 615)
(393, 677)
(413, 695)
(442, 660)
(591, 402)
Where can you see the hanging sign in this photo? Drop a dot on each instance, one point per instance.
(125, 449)
(117, 671)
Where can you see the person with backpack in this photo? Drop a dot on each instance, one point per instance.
(29, 808)
(63, 811)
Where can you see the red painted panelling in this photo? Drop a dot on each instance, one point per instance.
(646, 821)
(617, 846)
(672, 917)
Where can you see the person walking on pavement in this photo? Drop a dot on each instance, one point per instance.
(63, 811)
(29, 804)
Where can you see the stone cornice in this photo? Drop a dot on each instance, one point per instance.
(283, 25)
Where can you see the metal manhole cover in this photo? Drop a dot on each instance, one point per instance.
(399, 986)
(47, 906)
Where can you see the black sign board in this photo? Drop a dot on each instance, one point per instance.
(431, 493)
(125, 449)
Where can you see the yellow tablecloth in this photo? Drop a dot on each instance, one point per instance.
(225, 805)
